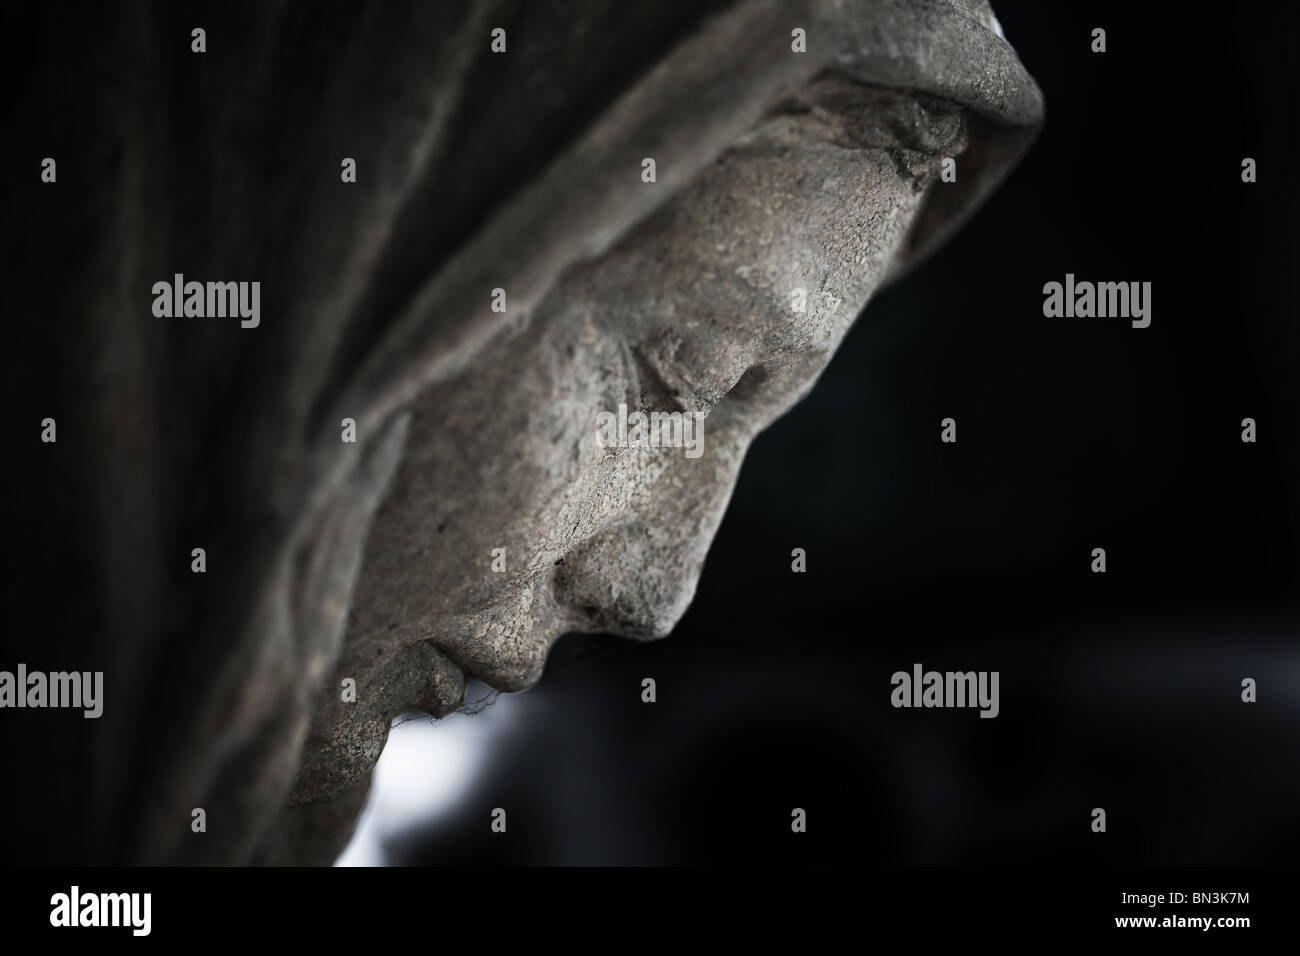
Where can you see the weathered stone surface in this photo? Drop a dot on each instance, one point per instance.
(776, 170)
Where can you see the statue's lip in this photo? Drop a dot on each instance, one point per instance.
(507, 676)
(445, 697)
(489, 646)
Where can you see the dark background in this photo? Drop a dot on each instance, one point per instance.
(1119, 690)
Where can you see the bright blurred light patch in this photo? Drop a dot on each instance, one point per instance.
(426, 767)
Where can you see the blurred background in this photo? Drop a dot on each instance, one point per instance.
(1121, 690)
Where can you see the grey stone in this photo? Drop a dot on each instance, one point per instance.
(476, 429)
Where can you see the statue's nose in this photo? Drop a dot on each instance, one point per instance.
(637, 576)
(633, 580)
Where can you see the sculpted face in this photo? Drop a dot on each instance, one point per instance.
(729, 302)
(477, 515)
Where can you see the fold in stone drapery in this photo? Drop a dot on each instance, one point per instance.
(475, 171)
(712, 86)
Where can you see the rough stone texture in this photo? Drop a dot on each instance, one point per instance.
(775, 170)
(691, 312)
